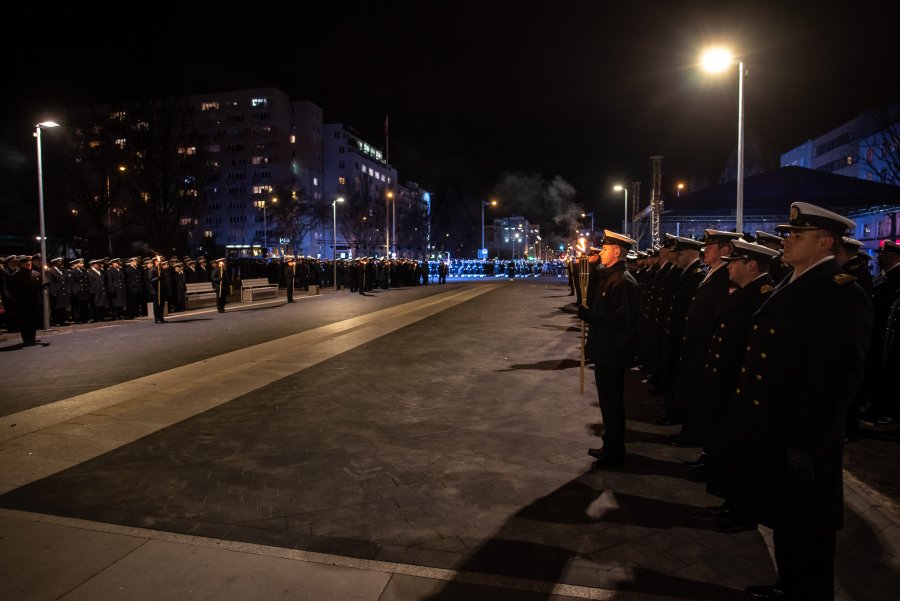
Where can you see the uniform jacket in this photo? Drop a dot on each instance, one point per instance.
(614, 316)
(115, 286)
(802, 366)
(97, 288)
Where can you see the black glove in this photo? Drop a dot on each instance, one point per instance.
(801, 466)
(584, 314)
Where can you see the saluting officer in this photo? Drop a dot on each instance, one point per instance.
(613, 314)
(785, 428)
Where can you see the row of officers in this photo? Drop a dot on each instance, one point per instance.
(83, 291)
(763, 351)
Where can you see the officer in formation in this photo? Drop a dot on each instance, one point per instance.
(219, 278)
(613, 313)
(22, 299)
(759, 354)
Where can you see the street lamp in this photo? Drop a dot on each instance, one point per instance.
(619, 188)
(109, 212)
(387, 225)
(716, 60)
(591, 215)
(679, 188)
(45, 296)
(484, 203)
(266, 224)
(334, 240)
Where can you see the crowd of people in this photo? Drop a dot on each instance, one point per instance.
(763, 350)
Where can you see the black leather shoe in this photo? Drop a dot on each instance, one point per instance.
(596, 453)
(606, 460)
(766, 593)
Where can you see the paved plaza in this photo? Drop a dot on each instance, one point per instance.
(421, 443)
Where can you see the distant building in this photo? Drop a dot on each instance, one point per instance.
(864, 147)
(262, 148)
(514, 238)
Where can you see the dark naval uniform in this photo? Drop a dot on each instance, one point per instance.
(784, 431)
(614, 316)
(219, 278)
(723, 366)
(707, 304)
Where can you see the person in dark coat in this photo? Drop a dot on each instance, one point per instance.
(290, 274)
(614, 315)
(690, 273)
(97, 288)
(747, 266)
(803, 364)
(25, 292)
(885, 409)
(202, 271)
(59, 293)
(848, 258)
(115, 288)
(157, 291)
(79, 290)
(134, 288)
(706, 305)
(777, 269)
(219, 278)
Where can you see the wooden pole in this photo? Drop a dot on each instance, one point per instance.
(583, 276)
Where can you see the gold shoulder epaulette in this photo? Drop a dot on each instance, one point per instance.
(765, 289)
(844, 278)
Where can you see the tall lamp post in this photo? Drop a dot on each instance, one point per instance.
(619, 188)
(45, 295)
(266, 224)
(484, 203)
(716, 60)
(334, 240)
(109, 211)
(387, 225)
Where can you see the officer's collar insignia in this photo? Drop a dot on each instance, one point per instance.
(844, 278)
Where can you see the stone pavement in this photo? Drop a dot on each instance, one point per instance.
(434, 450)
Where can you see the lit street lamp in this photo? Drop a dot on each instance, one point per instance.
(679, 188)
(334, 240)
(387, 226)
(266, 224)
(484, 203)
(45, 296)
(591, 215)
(717, 60)
(619, 188)
(109, 212)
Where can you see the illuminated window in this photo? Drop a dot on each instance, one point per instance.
(213, 148)
(259, 102)
(145, 196)
(120, 142)
(118, 115)
(315, 181)
(293, 139)
(208, 234)
(95, 144)
(188, 150)
(262, 189)
(209, 106)
(260, 160)
(142, 125)
(341, 180)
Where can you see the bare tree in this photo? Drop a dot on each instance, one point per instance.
(294, 217)
(880, 151)
(135, 170)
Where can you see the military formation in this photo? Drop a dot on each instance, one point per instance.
(765, 353)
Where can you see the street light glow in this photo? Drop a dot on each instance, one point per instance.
(716, 60)
(46, 124)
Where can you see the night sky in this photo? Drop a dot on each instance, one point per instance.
(582, 90)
